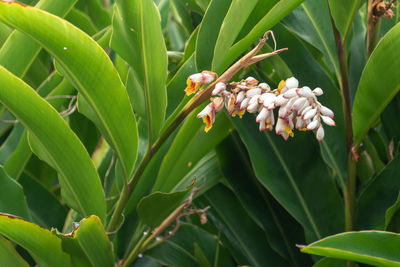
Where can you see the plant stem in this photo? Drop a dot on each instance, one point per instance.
(196, 101)
(350, 188)
(372, 26)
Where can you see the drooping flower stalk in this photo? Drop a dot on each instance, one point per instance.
(297, 107)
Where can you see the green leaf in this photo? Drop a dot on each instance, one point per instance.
(86, 66)
(12, 199)
(93, 242)
(81, 20)
(155, 208)
(378, 196)
(45, 208)
(9, 256)
(277, 12)
(136, 35)
(23, 46)
(189, 146)
(180, 249)
(370, 247)
(43, 246)
(228, 214)
(311, 22)
(235, 18)
(378, 85)
(343, 12)
(9, 146)
(294, 173)
(281, 230)
(62, 147)
(208, 33)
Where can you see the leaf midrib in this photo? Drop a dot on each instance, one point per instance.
(295, 187)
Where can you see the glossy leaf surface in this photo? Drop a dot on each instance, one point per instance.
(43, 246)
(369, 247)
(137, 38)
(60, 145)
(77, 53)
(378, 85)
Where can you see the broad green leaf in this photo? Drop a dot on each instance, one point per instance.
(23, 46)
(86, 66)
(378, 196)
(180, 249)
(281, 230)
(232, 219)
(155, 208)
(136, 35)
(43, 246)
(92, 240)
(9, 256)
(45, 208)
(295, 174)
(208, 33)
(278, 12)
(233, 22)
(62, 147)
(343, 12)
(12, 199)
(376, 248)
(378, 85)
(189, 146)
(312, 23)
(100, 17)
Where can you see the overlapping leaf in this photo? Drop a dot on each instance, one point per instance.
(88, 68)
(57, 141)
(136, 36)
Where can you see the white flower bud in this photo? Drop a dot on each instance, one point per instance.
(309, 114)
(326, 111)
(328, 121)
(292, 82)
(219, 88)
(280, 100)
(290, 93)
(207, 78)
(265, 86)
(313, 125)
(299, 103)
(239, 97)
(318, 91)
(253, 92)
(262, 115)
(196, 78)
(252, 108)
(320, 133)
(244, 103)
(305, 92)
(205, 111)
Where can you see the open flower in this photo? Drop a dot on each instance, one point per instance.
(196, 80)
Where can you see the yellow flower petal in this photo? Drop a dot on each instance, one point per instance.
(208, 121)
(281, 85)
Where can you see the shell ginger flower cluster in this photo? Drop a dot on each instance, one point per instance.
(295, 107)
